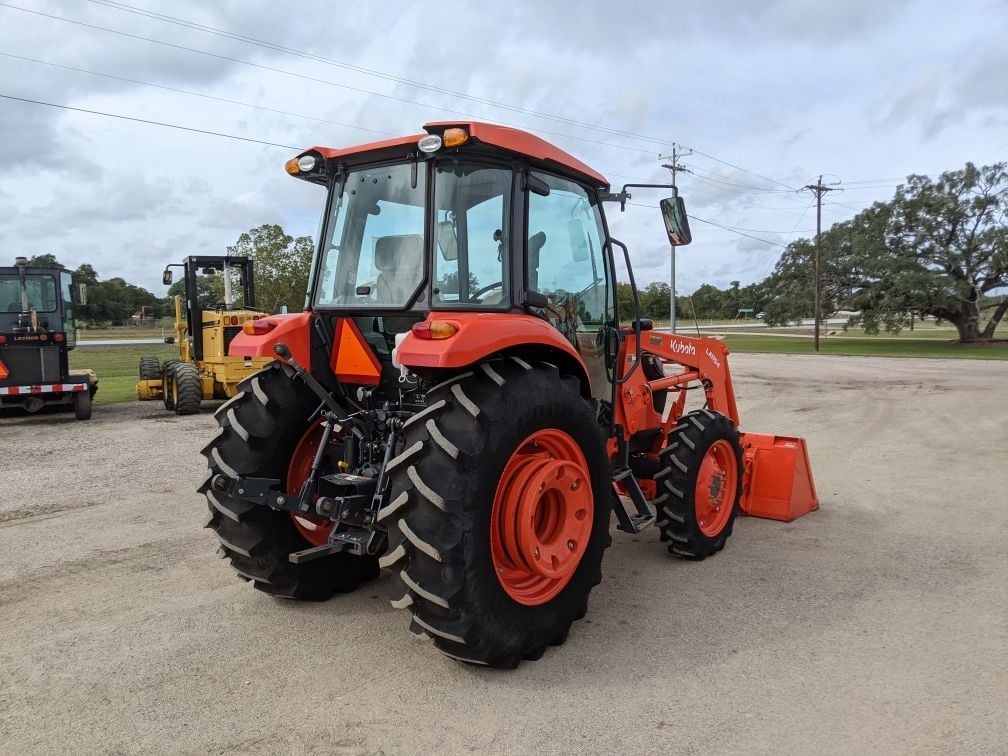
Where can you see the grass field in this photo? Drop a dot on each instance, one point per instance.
(118, 368)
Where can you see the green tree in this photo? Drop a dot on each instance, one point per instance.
(209, 289)
(939, 247)
(655, 300)
(281, 265)
(44, 261)
(945, 247)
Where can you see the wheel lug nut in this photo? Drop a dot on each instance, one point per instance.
(536, 552)
(576, 484)
(571, 545)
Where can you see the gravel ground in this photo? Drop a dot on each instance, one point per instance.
(878, 624)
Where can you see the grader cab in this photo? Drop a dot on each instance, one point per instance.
(465, 405)
(203, 333)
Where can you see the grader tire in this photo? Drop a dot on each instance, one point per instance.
(167, 378)
(700, 486)
(498, 514)
(150, 368)
(187, 389)
(259, 430)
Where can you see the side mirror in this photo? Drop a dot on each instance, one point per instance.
(676, 222)
(81, 294)
(166, 277)
(447, 240)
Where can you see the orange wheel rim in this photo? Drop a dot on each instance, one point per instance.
(312, 528)
(716, 486)
(542, 517)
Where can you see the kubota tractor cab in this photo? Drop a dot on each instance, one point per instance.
(37, 331)
(463, 404)
(203, 334)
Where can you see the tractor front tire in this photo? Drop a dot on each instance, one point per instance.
(700, 486)
(259, 431)
(187, 388)
(150, 368)
(498, 513)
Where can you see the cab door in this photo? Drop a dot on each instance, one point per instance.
(565, 263)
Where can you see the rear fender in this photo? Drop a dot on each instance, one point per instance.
(482, 334)
(294, 330)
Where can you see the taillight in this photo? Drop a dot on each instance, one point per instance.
(58, 338)
(4, 372)
(436, 329)
(3, 339)
(258, 327)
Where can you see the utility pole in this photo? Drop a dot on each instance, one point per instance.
(819, 190)
(675, 167)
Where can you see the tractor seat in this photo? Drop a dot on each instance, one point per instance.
(399, 260)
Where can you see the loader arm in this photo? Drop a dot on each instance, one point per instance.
(777, 481)
(703, 362)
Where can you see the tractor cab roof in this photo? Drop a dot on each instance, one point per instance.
(537, 151)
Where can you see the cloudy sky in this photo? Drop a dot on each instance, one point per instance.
(767, 94)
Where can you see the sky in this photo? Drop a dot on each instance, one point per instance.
(762, 97)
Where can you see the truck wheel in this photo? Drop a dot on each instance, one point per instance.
(498, 514)
(262, 428)
(700, 486)
(187, 388)
(82, 405)
(167, 378)
(150, 368)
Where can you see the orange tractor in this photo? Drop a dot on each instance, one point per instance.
(463, 404)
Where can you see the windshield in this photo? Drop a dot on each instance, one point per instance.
(372, 253)
(41, 292)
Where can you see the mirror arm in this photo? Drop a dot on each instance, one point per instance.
(623, 195)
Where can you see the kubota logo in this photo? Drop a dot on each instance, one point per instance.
(713, 358)
(683, 347)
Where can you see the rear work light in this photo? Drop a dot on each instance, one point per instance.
(437, 329)
(258, 327)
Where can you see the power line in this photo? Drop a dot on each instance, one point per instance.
(740, 168)
(306, 77)
(195, 94)
(112, 4)
(148, 121)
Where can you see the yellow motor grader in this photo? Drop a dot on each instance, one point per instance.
(203, 334)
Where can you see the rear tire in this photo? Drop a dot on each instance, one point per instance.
(260, 429)
(82, 405)
(700, 486)
(187, 388)
(446, 522)
(150, 368)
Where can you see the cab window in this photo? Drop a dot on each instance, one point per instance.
(471, 263)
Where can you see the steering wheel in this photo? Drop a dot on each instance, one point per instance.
(479, 294)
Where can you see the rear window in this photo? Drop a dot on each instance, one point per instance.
(41, 292)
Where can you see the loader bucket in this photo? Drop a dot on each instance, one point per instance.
(778, 481)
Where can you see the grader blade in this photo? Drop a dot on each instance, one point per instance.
(778, 477)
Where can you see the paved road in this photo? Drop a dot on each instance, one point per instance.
(876, 625)
(117, 342)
